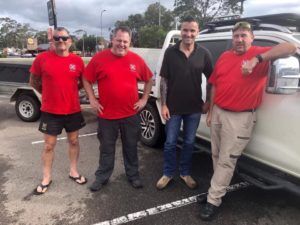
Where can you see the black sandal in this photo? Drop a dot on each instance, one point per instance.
(78, 179)
(43, 187)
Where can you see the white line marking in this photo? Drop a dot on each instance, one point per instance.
(63, 138)
(163, 208)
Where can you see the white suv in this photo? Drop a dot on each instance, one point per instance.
(272, 158)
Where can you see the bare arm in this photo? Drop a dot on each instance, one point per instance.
(88, 87)
(36, 82)
(163, 95)
(206, 105)
(163, 90)
(80, 84)
(140, 104)
(279, 51)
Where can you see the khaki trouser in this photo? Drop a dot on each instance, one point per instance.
(230, 133)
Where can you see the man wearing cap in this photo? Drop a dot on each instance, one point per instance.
(238, 82)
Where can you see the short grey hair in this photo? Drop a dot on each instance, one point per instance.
(123, 29)
(62, 29)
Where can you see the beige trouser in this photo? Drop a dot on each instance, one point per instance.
(230, 133)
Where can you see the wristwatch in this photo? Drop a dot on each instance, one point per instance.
(259, 58)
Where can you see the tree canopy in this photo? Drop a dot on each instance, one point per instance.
(149, 28)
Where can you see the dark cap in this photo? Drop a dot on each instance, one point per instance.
(242, 25)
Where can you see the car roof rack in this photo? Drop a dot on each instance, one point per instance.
(284, 22)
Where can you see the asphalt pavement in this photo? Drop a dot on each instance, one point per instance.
(117, 203)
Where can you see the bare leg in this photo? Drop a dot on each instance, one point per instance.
(47, 158)
(74, 154)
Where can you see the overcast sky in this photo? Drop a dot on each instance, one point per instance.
(85, 14)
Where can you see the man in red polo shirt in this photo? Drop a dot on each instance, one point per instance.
(238, 82)
(57, 75)
(117, 70)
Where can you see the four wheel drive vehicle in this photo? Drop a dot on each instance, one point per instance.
(272, 158)
(14, 78)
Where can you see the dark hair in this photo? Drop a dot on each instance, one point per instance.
(123, 29)
(62, 29)
(188, 19)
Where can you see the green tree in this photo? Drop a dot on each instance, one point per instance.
(149, 22)
(152, 36)
(14, 34)
(135, 22)
(42, 37)
(206, 10)
(89, 43)
(157, 11)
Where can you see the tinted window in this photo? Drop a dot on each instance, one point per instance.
(216, 48)
(264, 43)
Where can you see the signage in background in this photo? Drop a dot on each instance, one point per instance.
(52, 13)
(32, 44)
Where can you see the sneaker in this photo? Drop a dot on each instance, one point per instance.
(163, 182)
(189, 181)
(208, 212)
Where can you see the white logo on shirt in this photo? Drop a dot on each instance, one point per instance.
(72, 67)
(132, 67)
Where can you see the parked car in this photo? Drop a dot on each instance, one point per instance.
(272, 158)
(14, 81)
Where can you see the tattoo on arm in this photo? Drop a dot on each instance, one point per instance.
(36, 82)
(163, 90)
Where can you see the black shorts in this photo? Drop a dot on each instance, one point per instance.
(53, 124)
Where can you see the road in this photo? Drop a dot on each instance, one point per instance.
(117, 203)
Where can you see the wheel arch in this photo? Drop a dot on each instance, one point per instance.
(26, 91)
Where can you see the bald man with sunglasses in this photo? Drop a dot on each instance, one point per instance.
(238, 82)
(57, 74)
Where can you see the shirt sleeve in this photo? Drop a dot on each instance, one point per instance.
(36, 68)
(208, 68)
(90, 71)
(146, 73)
(164, 66)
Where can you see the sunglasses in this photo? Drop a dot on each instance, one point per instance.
(64, 38)
(243, 25)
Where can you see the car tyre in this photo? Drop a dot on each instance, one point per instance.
(28, 108)
(152, 132)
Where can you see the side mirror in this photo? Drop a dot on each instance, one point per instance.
(284, 76)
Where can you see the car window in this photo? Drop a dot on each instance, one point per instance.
(216, 47)
(297, 36)
(264, 43)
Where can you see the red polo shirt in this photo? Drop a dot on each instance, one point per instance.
(233, 90)
(60, 76)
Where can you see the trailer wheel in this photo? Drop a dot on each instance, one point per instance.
(152, 133)
(28, 108)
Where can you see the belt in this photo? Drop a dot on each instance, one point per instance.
(245, 110)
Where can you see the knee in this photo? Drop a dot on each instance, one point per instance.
(49, 147)
(170, 144)
(73, 142)
(227, 163)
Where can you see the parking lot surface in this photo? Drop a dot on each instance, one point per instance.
(117, 203)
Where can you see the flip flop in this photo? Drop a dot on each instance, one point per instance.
(43, 187)
(78, 179)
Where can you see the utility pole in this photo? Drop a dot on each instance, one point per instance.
(242, 7)
(159, 13)
(101, 22)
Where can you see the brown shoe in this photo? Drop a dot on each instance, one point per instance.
(163, 182)
(189, 181)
